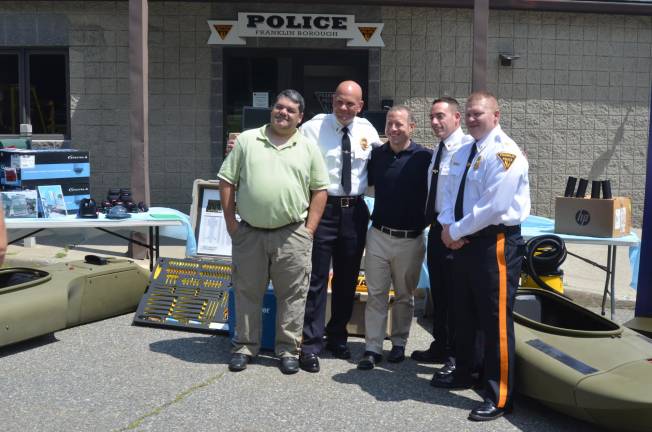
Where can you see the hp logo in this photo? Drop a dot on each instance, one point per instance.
(582, 217)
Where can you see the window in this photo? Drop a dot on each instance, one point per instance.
(34, 89)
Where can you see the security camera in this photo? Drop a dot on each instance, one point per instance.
(506, 59)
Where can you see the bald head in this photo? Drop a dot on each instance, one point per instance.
(351, 88)
(347, 102)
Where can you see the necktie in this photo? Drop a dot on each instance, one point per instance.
(432, 194)
(459, 202)
(346, 161)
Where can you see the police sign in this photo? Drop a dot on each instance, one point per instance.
(282, 25)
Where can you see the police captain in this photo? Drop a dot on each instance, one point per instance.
(482, 225)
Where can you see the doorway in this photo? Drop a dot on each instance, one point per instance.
(314, 73)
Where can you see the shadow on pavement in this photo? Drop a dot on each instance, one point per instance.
(36, 342)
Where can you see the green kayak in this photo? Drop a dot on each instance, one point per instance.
(580, 363)
(35, 302)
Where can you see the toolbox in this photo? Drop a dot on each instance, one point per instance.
(188, 294)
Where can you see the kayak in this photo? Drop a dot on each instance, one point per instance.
(35, 302)
(581, 363)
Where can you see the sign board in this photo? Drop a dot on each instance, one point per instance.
(284, 25)
(260, 100)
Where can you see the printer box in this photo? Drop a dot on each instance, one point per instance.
(74, 190)
(43, 165)
(268, 314)
(593, 217)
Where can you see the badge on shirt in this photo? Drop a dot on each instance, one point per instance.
(507, 159)
(364, 144)
(477, 163)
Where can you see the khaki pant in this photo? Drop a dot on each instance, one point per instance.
(282, 255)
(390, 260)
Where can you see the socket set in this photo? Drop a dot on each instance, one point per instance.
(188, 294)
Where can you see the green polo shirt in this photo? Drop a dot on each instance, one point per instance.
(274, 183)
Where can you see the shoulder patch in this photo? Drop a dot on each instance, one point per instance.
(507, 159)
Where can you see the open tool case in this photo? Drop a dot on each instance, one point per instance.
(188, 294)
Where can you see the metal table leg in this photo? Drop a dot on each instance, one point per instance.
(610, 281)
(151, 248)
(612, 271)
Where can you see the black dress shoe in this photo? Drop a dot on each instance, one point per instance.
(239, 362)
(451, 382)
(309, 362)
(445, 370)
(369, 360)
(289, 365)
(396, 355)
(428, 356)
(487, 410)
(340, 351)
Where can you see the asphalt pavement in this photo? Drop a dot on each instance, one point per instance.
(113, 376)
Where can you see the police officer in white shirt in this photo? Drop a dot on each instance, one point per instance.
(483, 227)
(445, 121)
(345, 141)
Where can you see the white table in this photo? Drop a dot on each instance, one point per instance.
(536, 226)
(141, 220)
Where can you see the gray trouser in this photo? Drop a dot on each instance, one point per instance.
(282, 255)
(390, 260)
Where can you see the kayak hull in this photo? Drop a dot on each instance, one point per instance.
(35, 302)
(582, 364)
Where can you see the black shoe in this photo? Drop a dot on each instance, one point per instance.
(396, 355)
(309, 362)
(487, 411)
(428, 356)
(451, 382)
(445, 370)
(289, 365)
(239, 362)
(369, 360)
(340, 351)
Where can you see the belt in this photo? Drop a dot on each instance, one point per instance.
(492, 230)
(397, 232)
(245, 223)
(344, 201)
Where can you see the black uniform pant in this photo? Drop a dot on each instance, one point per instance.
(440, 261)
(340, 237)
(487, 272)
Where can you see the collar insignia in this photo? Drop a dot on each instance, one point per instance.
(477, 163)
(507, 159)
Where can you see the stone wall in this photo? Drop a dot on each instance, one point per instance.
(96, 34)
(577, 100)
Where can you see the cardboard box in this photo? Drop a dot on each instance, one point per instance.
(356, 326)
(593, 217)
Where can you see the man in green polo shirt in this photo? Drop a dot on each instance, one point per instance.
(281, 182)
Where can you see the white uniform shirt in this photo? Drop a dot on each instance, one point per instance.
(327, 132)
(497, 188)
(451, 145)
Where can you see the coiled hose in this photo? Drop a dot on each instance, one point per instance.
(544, 255)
